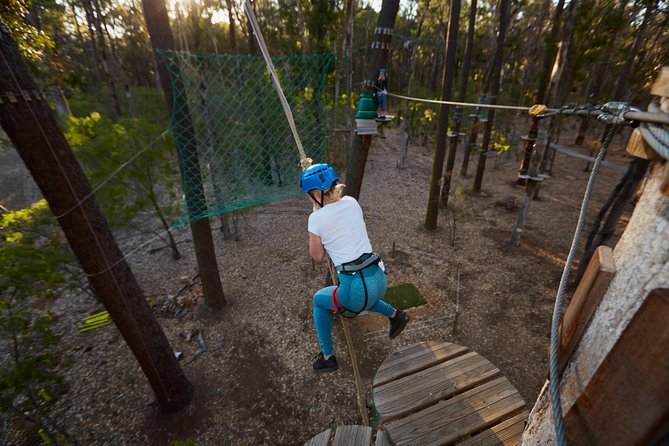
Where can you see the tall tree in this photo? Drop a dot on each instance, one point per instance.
(34, 132)
(457, 118)
(357, 155)
(504, 12)
(447, 84)
(157, 23)
(404, 131)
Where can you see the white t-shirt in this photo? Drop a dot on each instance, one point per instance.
(341, 227)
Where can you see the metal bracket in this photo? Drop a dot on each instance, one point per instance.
(614, 112)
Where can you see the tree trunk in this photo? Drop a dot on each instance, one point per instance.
(432, 213)
(349, 11)
(457, 124)
(103, 54)
(504, 7)
(556, 89)
(404, 144)
(88, 10)
(549, 55)
(157, 24)
(35, 133)
(357, 156)
(232, 34)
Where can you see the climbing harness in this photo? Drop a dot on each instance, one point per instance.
(352, 268)
(359, 264)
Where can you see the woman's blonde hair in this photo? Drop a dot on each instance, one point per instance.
(335, 192)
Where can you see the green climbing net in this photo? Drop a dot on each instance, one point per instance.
(234, 141)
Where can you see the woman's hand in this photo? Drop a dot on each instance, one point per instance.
(316, 248)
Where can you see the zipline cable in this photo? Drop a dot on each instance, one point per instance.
(304, 161)
(123, 165)
(576, 110)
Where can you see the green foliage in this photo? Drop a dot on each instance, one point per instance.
(32, 268)
(148, 182)
(404, 296)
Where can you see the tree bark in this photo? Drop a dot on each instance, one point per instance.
(103, 54)
(504, 7)
(404, 143)
(232, 34)
(349, 11)
(457, 118)
(35, 133)
(549, 55)
(157, 24)
(357, 156)
(432, 213)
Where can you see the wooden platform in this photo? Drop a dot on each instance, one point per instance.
(438, 393)
(349, 436)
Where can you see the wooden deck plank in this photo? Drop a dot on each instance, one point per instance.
(420, 390)
(353, 436)
(382, 438)
(506, 433)
(449, 410)
(322, 439)
(447, 430)
(421, 356)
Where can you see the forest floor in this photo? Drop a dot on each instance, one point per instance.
(255, 384)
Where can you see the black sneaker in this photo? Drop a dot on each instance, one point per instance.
(398, 323)
(325, 365)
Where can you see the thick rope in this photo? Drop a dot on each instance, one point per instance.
(555, 378)
(304, 161)
(351, 351)
(657, 137)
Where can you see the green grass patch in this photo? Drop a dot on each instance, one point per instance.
(404, 296)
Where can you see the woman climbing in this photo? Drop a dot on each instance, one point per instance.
(337, 228)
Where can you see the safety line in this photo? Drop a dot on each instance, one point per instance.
(555, 378)
(140, 246)
(351, 349)
(277, 84)
(467, 104)
(145, 347)
(112, 175)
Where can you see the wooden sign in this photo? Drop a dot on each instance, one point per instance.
(627, 400)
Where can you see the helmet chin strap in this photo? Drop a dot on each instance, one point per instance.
(319, 202)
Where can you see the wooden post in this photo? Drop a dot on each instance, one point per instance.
(530, 141)
(627, 400)
(589, 293)
(532, 181)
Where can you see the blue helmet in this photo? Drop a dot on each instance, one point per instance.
(319, 176)
(382, 70)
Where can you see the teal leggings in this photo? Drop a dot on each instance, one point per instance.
(351, 294)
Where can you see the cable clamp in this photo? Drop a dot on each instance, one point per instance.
(614, 112)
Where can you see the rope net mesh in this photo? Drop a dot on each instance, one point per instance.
(235, 144)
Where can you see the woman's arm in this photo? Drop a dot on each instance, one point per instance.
(316, 248)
